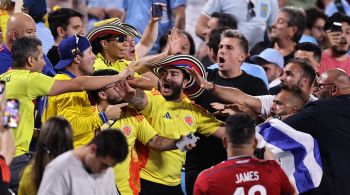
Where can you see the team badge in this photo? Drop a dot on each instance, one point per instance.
(264, 10)
(189, 120)
(126, 130)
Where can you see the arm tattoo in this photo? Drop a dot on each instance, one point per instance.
(139, 99)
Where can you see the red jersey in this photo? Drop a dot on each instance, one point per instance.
(243, 176)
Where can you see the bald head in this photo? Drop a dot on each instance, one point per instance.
(19, 25)
(337, 76)
(333, 82)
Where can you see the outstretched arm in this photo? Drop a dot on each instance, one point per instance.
(146, 63)
(149, 37)
(159, 143)
(84, 83)
(228, 94)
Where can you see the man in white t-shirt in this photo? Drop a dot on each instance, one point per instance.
(298, 76)
(88, 169)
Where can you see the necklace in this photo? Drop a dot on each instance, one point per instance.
(178, 113)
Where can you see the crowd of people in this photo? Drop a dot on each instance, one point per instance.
(106, 90)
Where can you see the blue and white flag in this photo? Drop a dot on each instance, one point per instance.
(296, 151)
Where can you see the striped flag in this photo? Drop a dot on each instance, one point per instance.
(297, 152)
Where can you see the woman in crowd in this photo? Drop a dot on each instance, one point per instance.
(55, 138)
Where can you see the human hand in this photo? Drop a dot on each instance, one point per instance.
(174, 42)
(113, 112)
(200, 80)
(334, 37)
(124, 90)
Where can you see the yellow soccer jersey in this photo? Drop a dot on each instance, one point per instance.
(25, 86)
(101, 63)
(76, 108)
(171, 119)
(26, 184)
(135, 127)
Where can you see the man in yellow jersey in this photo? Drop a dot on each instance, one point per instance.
(25, 82)
(75, 106)
(136, 128)
(172, 114)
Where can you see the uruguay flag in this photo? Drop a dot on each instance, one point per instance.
(296, 151)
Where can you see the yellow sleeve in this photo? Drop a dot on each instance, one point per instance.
(26, 184)
(3, 23)
(49, 108)
(145, 130)
(147, 111)
(76, 108)
(207, 123)
(40, 85)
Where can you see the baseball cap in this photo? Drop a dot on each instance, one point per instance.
(70, 47)
(270, 55)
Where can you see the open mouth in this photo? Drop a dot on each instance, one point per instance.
(166, 86)
(221, 60)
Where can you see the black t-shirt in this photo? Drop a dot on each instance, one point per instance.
(209, 150)
(328, 121)
(53, 55)
(275, 90)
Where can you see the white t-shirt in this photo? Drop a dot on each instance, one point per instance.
(67, 175)
(254, 28)
(267, 100)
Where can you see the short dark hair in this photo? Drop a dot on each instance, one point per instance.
(296, 17)
(23, 48)
(60, 18)
(93, 94)
(243, 42)
(337, 17)
(215, 37)
(308, 70)
(112, 143)
(240, 129)
(310, 47)
(225, 20)
(312, 15)
(96, 43)
(56, 137)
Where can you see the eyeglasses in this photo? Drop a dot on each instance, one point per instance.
(323, 85)
(106, 87)
(119, 39)
(251, 13)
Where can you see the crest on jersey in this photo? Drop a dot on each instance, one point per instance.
(189, 120)
(126, 130)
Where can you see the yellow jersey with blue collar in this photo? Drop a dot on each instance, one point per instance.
(76, 108)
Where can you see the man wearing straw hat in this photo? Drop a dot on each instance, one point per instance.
(172, 114)
(109, 43)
